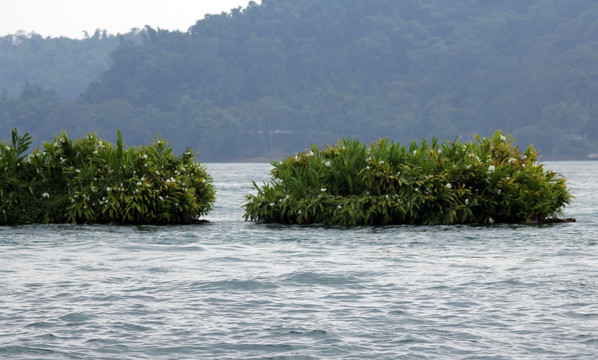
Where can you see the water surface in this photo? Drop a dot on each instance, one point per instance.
(231, 289)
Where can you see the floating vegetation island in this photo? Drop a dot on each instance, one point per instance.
(90, 180)
(485, 181)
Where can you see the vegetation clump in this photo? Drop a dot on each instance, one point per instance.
(90, 180)
(485, 181)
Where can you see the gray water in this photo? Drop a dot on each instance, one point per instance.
(236, 290)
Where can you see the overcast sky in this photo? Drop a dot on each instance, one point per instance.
(71, 17)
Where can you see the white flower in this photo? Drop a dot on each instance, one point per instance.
(466, 201)
(108, 189)
(144, 156)
(491, 220)
(323, 189)
(46, 195)
(416, 189)
(449, 186)
(271, 204)
(327, 163)
(138, 183)
(299, 212)
(381, 162)
(339, 207)
(161, 198)
(502, 138)
(491, 168)
(414, 152)
(367, 167)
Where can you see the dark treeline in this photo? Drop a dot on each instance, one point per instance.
(273, 78)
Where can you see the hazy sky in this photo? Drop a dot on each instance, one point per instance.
(71, 17)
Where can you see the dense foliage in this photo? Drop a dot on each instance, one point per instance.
(90, 180)
(272, 78)
(66, 66)
(485, 181)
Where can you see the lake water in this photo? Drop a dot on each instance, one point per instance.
(236, 290)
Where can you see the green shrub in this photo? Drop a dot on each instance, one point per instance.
(484, 181)
(93, 181)
(20, 181)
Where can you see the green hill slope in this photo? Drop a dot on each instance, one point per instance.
(273, 78)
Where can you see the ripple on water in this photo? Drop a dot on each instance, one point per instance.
(230, 289)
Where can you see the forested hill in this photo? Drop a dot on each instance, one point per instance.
(273, 78)
(65, 65)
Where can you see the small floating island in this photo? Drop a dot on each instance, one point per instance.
(90, 180)
(484, 181)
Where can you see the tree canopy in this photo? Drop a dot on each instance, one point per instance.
(273, 78)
